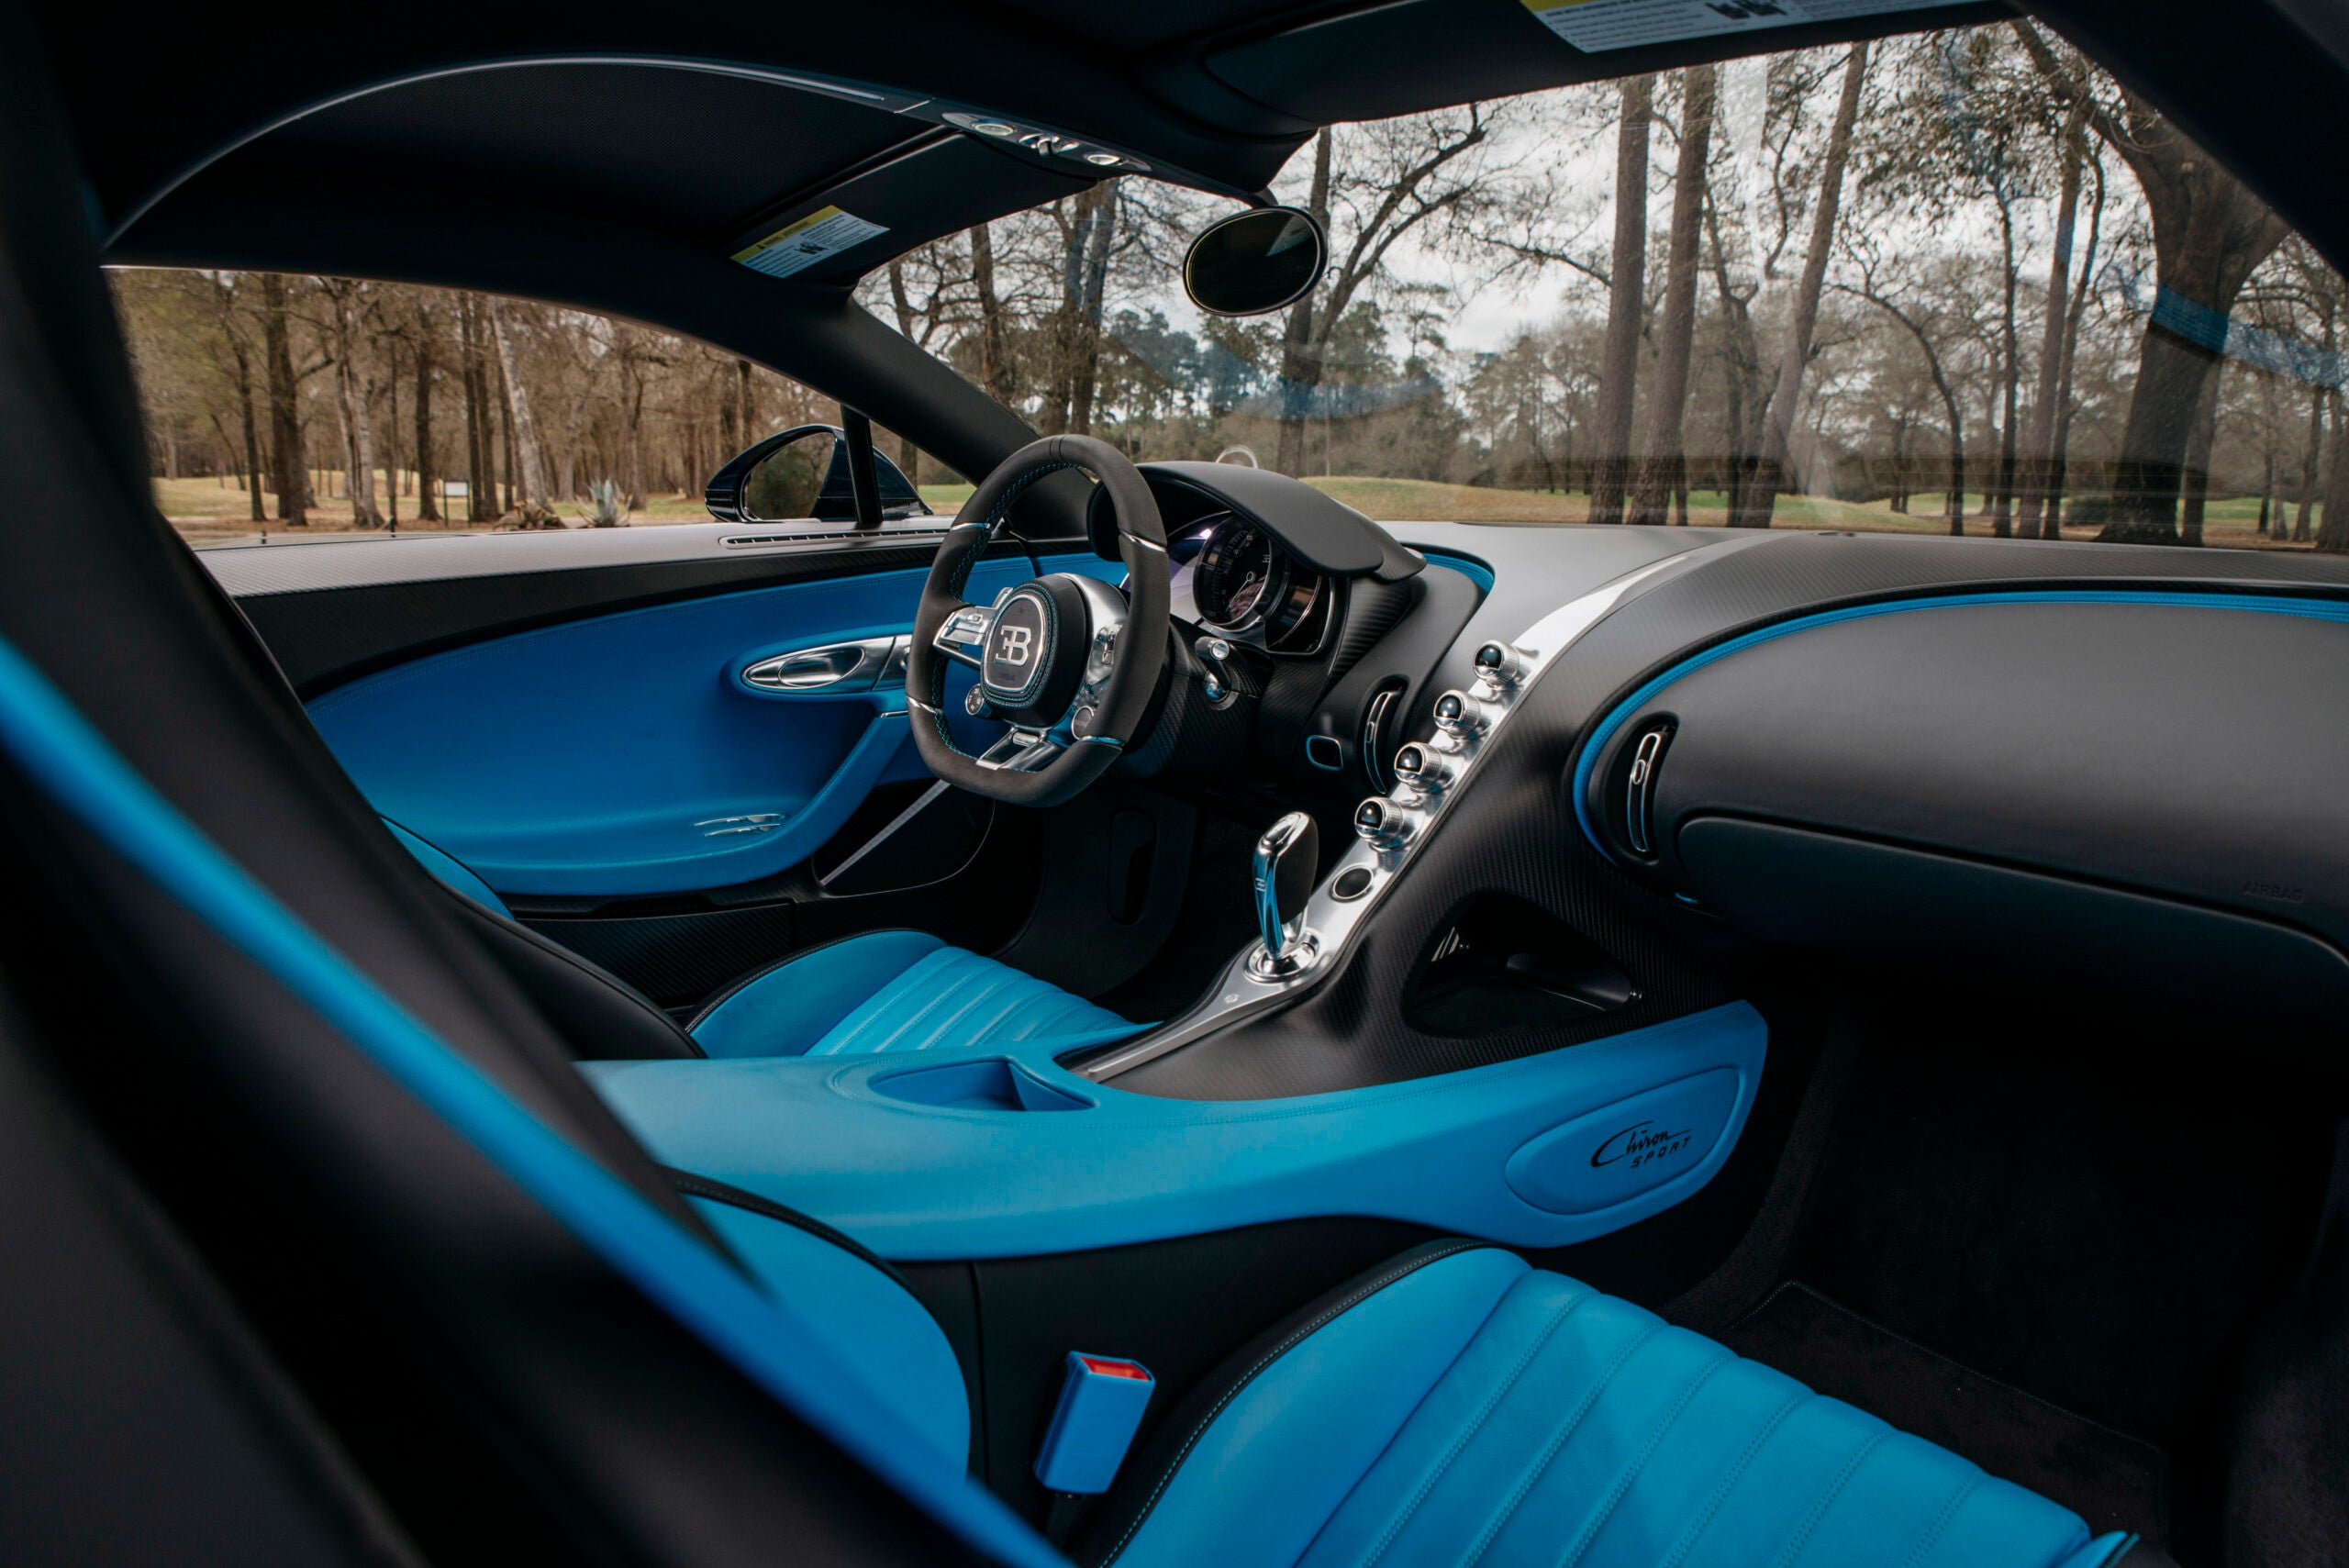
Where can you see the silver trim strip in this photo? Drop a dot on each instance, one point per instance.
(1336, 923)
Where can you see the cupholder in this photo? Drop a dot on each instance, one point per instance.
(993, 1084)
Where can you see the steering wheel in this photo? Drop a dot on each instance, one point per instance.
(1070, 662)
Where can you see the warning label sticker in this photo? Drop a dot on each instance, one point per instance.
(799, 245)
(1596, 26)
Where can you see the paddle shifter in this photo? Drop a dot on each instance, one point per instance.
(1287, 856)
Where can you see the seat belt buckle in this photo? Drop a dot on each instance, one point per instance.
(1102, 1399)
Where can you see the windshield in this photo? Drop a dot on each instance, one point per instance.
(1959, 282)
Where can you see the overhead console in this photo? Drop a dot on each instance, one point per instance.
(2106, 789)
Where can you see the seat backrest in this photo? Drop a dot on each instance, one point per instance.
(485, 1377)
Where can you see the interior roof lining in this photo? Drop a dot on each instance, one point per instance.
(863, 97)
(798, 192)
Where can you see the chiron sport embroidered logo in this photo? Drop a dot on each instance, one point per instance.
(1642, 1143)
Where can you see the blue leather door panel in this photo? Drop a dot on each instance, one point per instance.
(621, 755)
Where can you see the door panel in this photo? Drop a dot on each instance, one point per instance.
(624, 754)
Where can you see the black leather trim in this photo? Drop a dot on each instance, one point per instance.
(691, 1185)
(601, 1017)
(2143, 1554)
(1145, 1481)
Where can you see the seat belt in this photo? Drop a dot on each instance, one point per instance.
(84, 776)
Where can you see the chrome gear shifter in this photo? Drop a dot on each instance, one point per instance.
(1287, 856)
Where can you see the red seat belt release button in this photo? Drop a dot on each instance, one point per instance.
(1102, 1399)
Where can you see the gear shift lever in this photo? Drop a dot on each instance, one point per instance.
(1287, 856)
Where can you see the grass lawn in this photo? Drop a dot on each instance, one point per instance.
(206, 511)
(2228, 522)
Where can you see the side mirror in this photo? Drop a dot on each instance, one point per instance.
(1255, 262)
(801, 475)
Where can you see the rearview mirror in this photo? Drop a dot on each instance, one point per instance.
(802, 474)
(1255, 262)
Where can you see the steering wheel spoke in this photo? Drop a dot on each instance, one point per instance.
(1021, 751)
(964, 633)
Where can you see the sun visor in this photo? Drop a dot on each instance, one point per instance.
(1426, 54)
(942, 185)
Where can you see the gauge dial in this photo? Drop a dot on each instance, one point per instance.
(1240, 574)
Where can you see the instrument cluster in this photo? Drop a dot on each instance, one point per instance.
(1244, 586)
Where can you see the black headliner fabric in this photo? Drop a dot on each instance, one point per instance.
(678, 150)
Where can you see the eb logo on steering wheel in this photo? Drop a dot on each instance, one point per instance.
(1012, 647)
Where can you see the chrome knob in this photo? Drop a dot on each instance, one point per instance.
(1458, 713)
(1386, 823)
(1425, 768)
(1499, 665)
(1287, 856)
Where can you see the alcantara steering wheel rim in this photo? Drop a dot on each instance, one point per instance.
(1029, 662)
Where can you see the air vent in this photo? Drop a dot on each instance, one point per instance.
(1380, 721)
(1629, 808)
(767, 541)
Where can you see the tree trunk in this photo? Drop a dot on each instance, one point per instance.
(995, 344)
(2333, 528)
(747, 400)
(2201, 262)
(1085, 371)
(1754, 508)
(1301, 345)
(2303, 520)
(2267, 495)
(1619, 360)
(252, 435)
(2010, 350)
(633, 428)
(523, 474)
(427, 509)
(2039, 443)
(2059, 455)
(2196, 488)
(284, 428)
(391, 436)
(1665, 468)
(480, 479)
(351, 395)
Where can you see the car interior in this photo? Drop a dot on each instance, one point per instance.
(1149, 1016)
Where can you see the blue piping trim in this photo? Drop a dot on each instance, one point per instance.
(85, 776)
(2259, 604)
(1469, 566)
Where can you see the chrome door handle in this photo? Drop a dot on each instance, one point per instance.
(854, 667)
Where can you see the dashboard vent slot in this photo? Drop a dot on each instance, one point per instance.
(1380, 717)
(1641, 758)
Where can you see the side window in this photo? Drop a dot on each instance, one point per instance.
(284, 408)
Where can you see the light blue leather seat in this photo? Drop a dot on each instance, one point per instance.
(885, 990)
(896, 991)
(1461, 1408)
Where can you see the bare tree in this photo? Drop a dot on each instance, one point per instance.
(1752, 508)
(525, 473)
(354, 391)
(1666, 467)
(2209, 234)
(2039, 443)
(1626, 304)
(1399, 178)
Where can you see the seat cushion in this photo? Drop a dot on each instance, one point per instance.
(1460, 1407)
(896, 991)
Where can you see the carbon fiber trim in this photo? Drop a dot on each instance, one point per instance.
(1514, 830)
